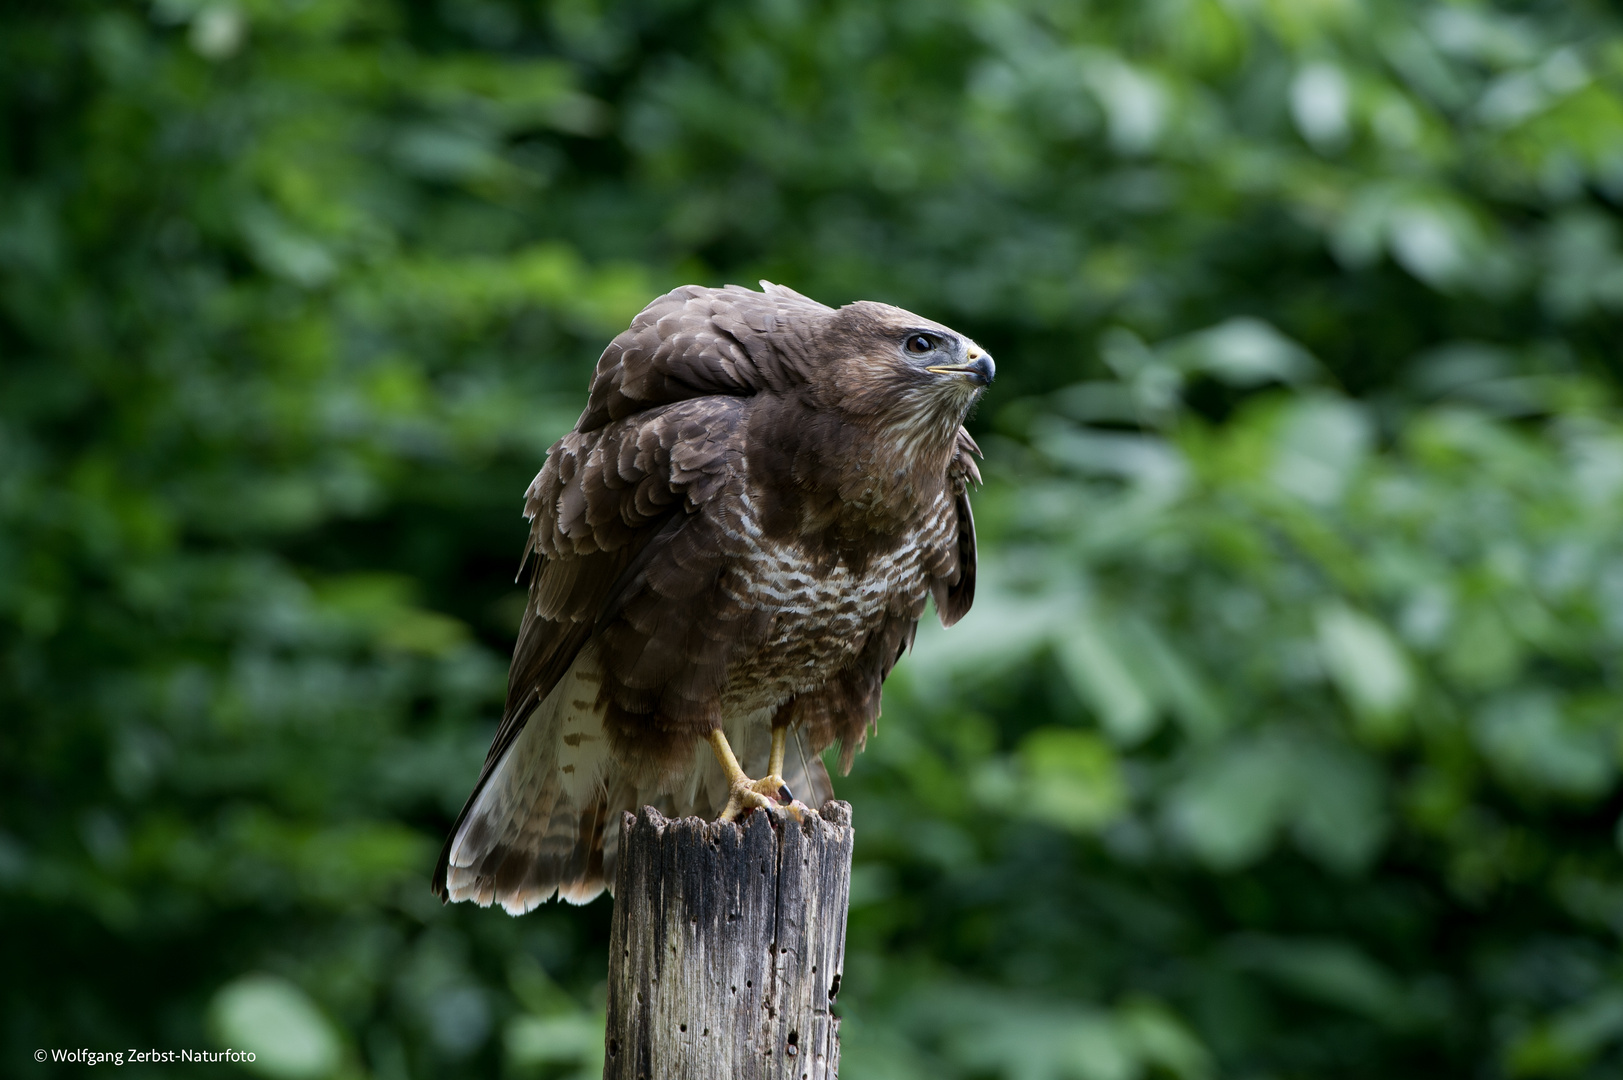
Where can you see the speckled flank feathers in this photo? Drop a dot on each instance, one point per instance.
(740, 532)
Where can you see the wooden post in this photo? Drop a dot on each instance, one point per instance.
(727, 948)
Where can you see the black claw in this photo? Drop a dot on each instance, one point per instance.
(784, 794)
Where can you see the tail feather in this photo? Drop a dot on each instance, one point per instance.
(534, 828)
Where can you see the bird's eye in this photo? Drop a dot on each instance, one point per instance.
(920, 343)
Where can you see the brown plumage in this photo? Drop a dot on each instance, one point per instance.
(739, 534)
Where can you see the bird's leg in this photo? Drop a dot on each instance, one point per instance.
(773, 784)
(774, 766)
(767, 793)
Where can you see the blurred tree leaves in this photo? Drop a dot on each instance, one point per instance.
(1283, 737)
(274, 1020)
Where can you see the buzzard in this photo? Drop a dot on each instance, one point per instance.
(732, 549)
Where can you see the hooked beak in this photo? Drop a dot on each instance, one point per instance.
(979, 369)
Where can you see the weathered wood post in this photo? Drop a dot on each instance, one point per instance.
(728, 947)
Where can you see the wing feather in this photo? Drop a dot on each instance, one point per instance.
(697, 342)
(952, 577)
(603, 508)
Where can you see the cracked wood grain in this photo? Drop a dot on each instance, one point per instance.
(728, 947)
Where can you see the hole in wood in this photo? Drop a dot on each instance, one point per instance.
(684, 1027)
(834, 987)
(614, 1047)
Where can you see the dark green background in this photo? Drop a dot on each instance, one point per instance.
(1283, 740)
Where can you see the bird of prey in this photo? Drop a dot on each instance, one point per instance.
(732, 549)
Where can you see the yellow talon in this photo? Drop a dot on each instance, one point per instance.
(769, 793)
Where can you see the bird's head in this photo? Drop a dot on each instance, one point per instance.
(916, 378)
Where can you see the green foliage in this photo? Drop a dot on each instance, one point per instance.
(1283, 739)
(1369, 698)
